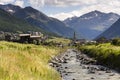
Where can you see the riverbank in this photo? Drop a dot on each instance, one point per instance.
(105, 54)
(73, 65)
(27, 62)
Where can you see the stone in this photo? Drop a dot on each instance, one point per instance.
(92, 78)
(66, 67)
(111, 74)
(108, 71)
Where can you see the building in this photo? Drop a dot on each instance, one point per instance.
(28, 38)
(76, 41)
(81, 41)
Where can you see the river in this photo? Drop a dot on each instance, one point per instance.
(74, 65)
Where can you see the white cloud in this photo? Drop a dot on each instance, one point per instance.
(37, 3)
(1, 3)
(62, 16)
(61, 3)
(111, 6)
(19, 3)
(15, 2)
(6, 1)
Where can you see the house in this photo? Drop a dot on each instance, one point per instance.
(28, 38)
(81, 41)
(24, 38)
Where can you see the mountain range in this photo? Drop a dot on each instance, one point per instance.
(38, 20)
(92, 24)
(9, 23)
(112, 32)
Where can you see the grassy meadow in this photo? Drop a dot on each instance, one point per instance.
(106, 54)
(59, 40)
(26, 62)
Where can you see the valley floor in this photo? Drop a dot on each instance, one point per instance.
(30, 62)
(74, 65)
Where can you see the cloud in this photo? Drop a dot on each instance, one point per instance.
(37, 3)
(15, 2)
(111, 6)
(6, 1)
(61, 3)
(19, 3)
(1, 3)
(62, 16)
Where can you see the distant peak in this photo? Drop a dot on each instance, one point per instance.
(9, 4)
(91, 15)
(98, 12)
(12, 5)
(29, 7)
(112, 13)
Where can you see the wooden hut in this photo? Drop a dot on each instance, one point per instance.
(24, 38)
(29, 38)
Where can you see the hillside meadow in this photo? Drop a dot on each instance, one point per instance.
(105, 54)
(27, 62)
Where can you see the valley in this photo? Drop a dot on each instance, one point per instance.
(49, 40)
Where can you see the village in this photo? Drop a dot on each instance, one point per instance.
(30, 37)
(38, 38)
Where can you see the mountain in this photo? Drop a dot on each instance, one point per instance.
(92, 24)
(112, 32)
(9, 23)
(39, 19)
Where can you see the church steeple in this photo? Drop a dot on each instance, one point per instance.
(74, 37)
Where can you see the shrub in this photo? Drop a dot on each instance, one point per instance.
(116, 42)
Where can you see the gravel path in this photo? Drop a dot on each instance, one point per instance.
(76, 66)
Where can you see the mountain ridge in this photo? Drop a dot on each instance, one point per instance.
(9, 23)
(39, 19)
(111, 32)
(92, 24)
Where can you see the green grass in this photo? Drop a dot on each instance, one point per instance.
(106, 54)
(26, 62)
(59, 40)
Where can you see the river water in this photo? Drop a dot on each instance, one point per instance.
(73, 68)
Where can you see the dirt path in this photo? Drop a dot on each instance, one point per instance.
(76, 66)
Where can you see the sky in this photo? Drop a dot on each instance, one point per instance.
(62, 9)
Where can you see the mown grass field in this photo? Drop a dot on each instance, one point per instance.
(106, 54)
(26, 62)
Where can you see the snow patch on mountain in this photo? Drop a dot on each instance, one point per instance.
(11, 11)
(99, 28)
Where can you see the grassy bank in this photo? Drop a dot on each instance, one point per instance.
(26, 62)
(106, 54)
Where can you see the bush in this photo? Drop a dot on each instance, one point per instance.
(116, 42)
